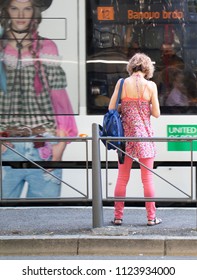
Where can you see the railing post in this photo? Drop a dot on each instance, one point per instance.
(97, 206)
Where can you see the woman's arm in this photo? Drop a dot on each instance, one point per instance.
(155, 108)
(112, 103)
(65, 120)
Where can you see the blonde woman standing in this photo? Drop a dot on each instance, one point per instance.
(139, 101)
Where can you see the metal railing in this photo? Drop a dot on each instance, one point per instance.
(43, 165)
(97, 180)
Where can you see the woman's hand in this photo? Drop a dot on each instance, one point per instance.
(57, 151)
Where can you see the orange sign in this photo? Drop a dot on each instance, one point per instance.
(105, 13)
(155, 15)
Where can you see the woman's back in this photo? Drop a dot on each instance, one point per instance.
(136, 112)
(136, 86)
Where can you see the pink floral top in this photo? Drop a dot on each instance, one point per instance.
(136, 123)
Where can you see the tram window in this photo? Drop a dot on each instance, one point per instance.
(153, 38)
(164, 30)
(190, 35)
(192, 6)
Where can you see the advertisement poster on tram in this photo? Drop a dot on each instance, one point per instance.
(39, 92)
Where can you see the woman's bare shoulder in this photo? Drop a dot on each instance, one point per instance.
(152, 85)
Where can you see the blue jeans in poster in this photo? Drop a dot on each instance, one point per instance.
(40, 183)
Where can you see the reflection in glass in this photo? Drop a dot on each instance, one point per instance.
(165, 30)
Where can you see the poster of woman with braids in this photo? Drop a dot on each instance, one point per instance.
(34, 101)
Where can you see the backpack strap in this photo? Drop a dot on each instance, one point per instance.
(119, 93)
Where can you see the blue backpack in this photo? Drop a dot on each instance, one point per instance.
(112, 126)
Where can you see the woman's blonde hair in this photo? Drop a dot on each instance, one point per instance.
(141, 62)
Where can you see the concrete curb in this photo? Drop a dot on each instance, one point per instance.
(98, 245)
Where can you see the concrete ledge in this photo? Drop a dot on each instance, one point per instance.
(120, 246)
(38, 246)
(181, 247)
(97, 245)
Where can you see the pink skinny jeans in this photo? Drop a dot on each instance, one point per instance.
(147, 181)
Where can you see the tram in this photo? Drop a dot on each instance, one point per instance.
(96, 38)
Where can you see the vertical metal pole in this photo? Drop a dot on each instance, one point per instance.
(97, 206)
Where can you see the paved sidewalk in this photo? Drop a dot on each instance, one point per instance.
(69, 231)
